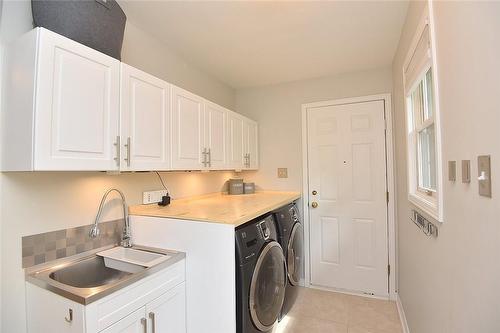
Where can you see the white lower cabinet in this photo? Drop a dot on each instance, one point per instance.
(154, 304)
(167, 313)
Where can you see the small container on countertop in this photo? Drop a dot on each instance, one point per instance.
(236, 186)
(249, 188)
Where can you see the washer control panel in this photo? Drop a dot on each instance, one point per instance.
(264, 230)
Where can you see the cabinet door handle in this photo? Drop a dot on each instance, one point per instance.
(144, 323)
(118, 150)
(204, 153)
(127, 146)
(153, 322)
(248, 166)
(209, 158)
(70, 313)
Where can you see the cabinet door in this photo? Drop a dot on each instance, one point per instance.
(216, 135)
(136, 322)
(77, 106)
(250, 144)
(187, 130)
(235, 133)
(145, 120)
(167, 313)
(48, 312)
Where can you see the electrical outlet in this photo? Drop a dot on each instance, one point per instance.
(153, 196)
(282, 172)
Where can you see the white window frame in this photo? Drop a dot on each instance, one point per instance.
(430, 202)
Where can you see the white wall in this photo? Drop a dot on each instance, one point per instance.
(148, 54)
(44, 201)
(277, 108)
(450, 284)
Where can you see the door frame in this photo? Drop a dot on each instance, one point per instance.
(391, 185)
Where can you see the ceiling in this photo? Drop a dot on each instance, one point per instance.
(255, 43)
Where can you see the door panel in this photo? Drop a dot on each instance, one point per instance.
(216, 135)
(133, 323)
(236, 149)
(167, 313)
(145, 111)
(329, 240)
(346, 149)
(250, 143)
(187, 130)
(77, 106)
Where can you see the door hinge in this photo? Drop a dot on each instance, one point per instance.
(388, 269)
(387, 196)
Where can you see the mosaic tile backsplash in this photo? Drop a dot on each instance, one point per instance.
(41, 248)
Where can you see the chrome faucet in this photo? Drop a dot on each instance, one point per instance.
(126, 237)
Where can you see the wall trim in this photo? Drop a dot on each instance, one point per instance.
(391, 184)
(402, 316)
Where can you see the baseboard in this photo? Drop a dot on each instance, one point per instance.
(402, 316)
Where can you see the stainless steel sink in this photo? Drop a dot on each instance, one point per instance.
(88, 273)
(87, 278)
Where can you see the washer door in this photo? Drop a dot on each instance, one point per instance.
(295, 253)
(267, 289)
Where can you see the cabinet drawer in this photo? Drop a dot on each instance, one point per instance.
(112, 308)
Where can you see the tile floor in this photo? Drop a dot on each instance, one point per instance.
(318, 311)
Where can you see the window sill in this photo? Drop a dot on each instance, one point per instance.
(428, 205)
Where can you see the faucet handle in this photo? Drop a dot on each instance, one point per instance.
(126, 241)
(94, 231)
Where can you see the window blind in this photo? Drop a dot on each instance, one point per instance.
(420, 60)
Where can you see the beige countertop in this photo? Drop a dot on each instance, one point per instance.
(219, 207)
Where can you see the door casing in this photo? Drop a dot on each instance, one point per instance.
(391, 206)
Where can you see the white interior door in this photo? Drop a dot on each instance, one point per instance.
(187, 130)
(145, 121)
(347, 181)
(215, 135)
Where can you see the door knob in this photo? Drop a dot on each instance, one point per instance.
(314, 192)
(314, 204)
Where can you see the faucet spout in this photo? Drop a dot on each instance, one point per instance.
(126, 237)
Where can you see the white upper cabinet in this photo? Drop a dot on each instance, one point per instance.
(250, 144)
(235, 136)
(145, 121)
(187, 130)
(62, 105)
(67, 107)
(215, 143)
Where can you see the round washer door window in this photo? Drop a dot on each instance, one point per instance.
(267, 289)
(295, 252)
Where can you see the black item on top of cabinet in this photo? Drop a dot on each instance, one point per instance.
(98, 24)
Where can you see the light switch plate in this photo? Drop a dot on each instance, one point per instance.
(465, 171)
(452, 171)
(282, 172)
(484, 175)
(151, 197)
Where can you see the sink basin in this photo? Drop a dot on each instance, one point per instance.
(85, 279)
(88, 273)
